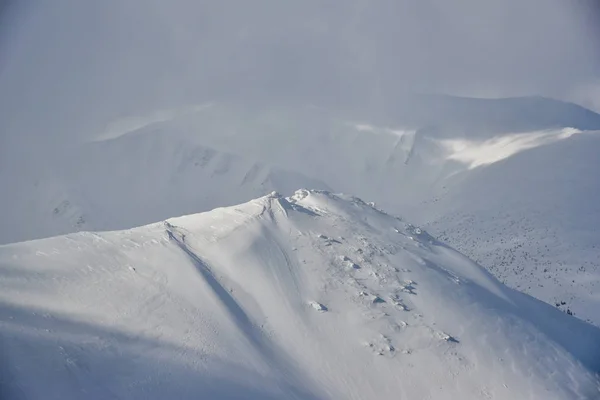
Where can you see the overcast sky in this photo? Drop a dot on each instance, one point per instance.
(69, 66)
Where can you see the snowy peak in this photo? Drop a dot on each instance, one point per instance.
(312, 296)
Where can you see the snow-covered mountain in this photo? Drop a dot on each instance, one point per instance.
(508, 182)
(482, 118)
(531, 220)
(315, 296)
(130, 181)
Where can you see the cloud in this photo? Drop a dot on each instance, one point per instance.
(587, 94)
(71, 67)
(133, 123)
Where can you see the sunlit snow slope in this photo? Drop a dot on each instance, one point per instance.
(315, 296)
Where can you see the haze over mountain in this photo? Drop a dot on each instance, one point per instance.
(70, 67)
(473, 120)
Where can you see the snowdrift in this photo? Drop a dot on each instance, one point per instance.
(315, 296)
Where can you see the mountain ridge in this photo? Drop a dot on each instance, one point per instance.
(435, 176)
(279, 297)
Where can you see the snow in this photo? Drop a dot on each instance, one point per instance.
(132, 180)
(318, 306)
(530, 220)
(223, 304)
(508, 182)
(478, 153)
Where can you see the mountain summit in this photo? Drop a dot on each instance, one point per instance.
(312, 296)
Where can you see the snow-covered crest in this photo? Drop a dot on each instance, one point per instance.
(312, 296)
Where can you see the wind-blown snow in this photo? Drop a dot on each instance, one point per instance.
(477, 153)
(315, 296)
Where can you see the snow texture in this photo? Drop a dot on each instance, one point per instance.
(223, 305)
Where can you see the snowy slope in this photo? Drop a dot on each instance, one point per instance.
(531, 219)
(316, 296)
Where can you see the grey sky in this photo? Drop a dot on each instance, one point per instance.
(70, 66)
